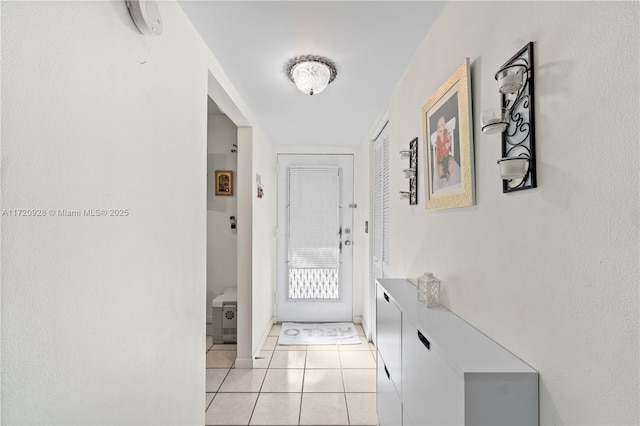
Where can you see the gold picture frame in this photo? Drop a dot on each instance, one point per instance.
(224, 182)
(448, 144)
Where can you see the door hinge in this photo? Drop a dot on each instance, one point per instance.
(353, 206)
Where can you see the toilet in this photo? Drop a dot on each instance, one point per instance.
(225, 322)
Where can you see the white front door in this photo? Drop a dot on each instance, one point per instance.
(315, 193)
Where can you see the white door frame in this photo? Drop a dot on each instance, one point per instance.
(315, 310)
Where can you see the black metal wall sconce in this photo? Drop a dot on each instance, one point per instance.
(515, 120)
(412, 172)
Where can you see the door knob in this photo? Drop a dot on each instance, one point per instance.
(347, 243)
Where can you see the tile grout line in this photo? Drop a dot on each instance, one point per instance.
(255, 404)
(304, 373)
(344, 388)
(209, 404)
(262, 384)
(288, 368)
(215, 394)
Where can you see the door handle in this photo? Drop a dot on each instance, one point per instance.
(340, 247)
(424, 340)
(347, 243)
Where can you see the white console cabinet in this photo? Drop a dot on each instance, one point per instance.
(435, 369)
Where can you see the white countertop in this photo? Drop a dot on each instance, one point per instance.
(468, 349)
(229, 295)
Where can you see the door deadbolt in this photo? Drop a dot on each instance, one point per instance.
(347, 230)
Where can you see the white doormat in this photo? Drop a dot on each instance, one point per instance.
(332, 333)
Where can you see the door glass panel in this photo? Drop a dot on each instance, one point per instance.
(314, 233)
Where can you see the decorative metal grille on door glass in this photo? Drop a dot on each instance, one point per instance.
(314, 234)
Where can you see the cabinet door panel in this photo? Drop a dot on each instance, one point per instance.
(432, 393)
(501, 399)
(389, 335)
(389, 403)
(406, 421)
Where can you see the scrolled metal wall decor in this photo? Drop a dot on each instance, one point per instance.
(518, 140)
(412, 172)
(413, 180)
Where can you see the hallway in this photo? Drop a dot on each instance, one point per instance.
(293, 385)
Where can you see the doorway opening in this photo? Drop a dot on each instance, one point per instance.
(222, 210)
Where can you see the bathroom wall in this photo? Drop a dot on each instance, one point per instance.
(550, 273)
(222, 244)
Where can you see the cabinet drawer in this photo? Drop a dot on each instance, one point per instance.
(389, 329)
(389, 403)
(433, 392)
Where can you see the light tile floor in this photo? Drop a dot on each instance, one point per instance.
(293, 385)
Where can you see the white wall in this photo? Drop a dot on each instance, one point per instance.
(549, 273)
(245, 253)
(97, 116)
(103, 318)
(222, 244)
(264, 238)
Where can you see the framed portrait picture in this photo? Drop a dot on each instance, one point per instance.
(448, 144)
(224, 182)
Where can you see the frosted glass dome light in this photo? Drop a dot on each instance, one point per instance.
(311, 74)
(311, 77)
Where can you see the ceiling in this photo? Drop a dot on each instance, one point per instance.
(371, 42)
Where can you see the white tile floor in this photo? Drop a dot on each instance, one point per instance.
(293, 385)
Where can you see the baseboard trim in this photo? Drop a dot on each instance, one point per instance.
(244, 362)
(367, 331)
(263, 339)
(357, 319)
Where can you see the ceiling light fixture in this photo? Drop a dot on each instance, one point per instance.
(311, 73)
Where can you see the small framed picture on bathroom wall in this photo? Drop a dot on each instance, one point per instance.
(224, 182)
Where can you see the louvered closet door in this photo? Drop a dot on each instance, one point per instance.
(380, 226)
(314, 237)
(380, 193)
